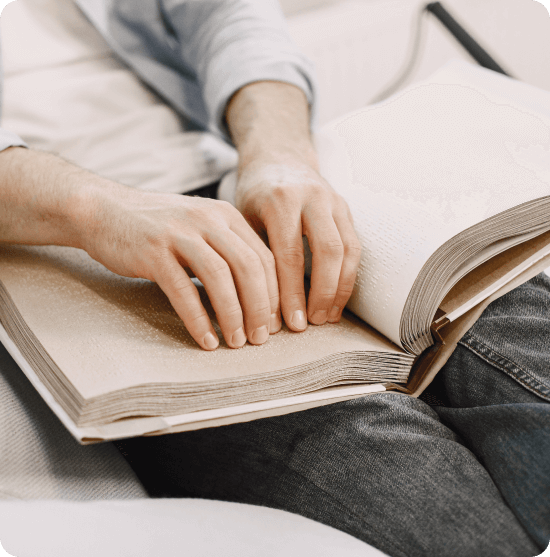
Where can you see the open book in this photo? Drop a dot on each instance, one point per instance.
(449, 186)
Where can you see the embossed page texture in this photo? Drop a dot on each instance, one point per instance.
(442, 157)
(117, 348)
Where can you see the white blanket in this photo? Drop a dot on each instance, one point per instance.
(65, 92)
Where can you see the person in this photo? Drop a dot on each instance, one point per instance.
(136, 234)
(469, 478)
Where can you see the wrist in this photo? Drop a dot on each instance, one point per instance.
(269, 121)
(271, 153)
(91, 210)
(45, 200)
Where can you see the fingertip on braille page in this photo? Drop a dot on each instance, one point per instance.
(334, 314)
(319, 317)
(238, 338)
(275, 323)
(260, 335)
(298, 320)
(210, 341)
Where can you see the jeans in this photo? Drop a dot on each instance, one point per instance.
(471, 478)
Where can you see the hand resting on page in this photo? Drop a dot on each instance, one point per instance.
(166, 238)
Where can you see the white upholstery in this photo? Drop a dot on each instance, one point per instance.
(167, 528)
(39, 459)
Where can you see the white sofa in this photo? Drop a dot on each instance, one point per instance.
(58, 498)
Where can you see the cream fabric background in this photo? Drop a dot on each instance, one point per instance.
(66, 93)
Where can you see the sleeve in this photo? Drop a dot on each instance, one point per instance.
(231, 43)
(7, 139)
(198, 53)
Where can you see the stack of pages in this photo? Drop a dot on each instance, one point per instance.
(449, 186)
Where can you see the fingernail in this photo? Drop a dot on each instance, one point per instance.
(274, 323)
(299, 320)
(334, 312)
(259, 336)
(210, 341)
(319, 317)
(238, 338)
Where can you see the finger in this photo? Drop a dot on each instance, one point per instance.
(214, 272)
(350, 264)
(327, 252)
(284, 230)
(245, 232)
(249, 277)
(185, 299)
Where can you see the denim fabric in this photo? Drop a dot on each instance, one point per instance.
(498, 386)
(471, 479)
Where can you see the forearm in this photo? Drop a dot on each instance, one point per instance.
(45, 200)
(270, 120)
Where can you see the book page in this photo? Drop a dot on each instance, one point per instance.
(107, 332)
(493, 274)
(426, 164)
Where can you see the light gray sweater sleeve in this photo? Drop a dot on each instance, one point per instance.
(230, 43)
(198, 53)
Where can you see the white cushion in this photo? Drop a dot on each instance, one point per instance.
(39, 459)
(168, 528)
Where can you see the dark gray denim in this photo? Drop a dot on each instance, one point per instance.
(469, 479)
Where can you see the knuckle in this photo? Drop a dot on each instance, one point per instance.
(353, 249)
(216, 268)
(163, 238)
(281, 194)
(260, 309)
(212, 212)
(160, 238)
(247, 268)
(290, 303)
(321, 192)
(195, 318)
(281, 201)
(291, 256)
(227, 210)
(274, 301)
(181, 286)
(268, 259)
(250, 262)
(232, 311)
(333, 249)
(325, 296)
(345, 289)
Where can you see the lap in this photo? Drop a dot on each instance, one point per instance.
(382, 468)
(388, 469)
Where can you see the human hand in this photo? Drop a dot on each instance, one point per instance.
(48, 201)
(283, 197)
(157, 236)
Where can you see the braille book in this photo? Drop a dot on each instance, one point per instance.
(448, 183)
